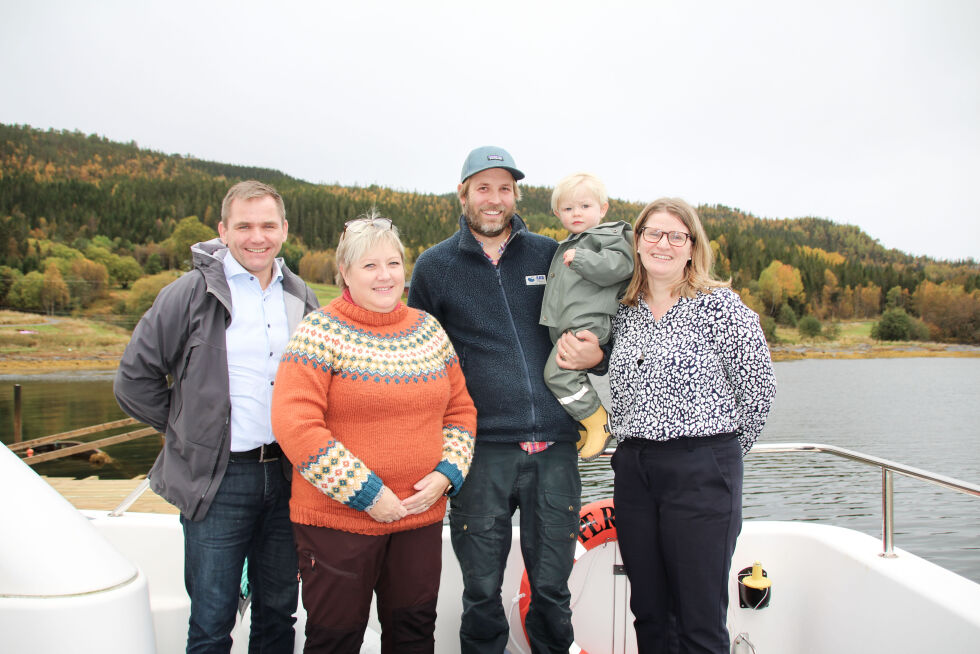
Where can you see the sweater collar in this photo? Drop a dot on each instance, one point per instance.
(346, 308)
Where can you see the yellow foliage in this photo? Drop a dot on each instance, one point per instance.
(778, 283)
(557, 233)
(832, 258)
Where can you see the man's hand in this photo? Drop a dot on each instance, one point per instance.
(579, 351)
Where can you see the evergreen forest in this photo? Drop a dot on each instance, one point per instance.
(82, 217)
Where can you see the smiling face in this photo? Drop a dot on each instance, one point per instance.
(254, 233)
(580, 210)
(376, 280)
(489, 202)
(663, 263)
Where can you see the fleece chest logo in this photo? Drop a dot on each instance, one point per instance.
(536, 280)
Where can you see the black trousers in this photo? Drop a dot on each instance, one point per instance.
(678, 514)
(547, 488)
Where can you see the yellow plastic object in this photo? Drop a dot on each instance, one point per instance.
(756, 580)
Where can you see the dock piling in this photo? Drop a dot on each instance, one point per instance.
(18, 423)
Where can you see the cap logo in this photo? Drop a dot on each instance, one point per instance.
(494, 157)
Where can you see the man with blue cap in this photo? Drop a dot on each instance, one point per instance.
(485, 284)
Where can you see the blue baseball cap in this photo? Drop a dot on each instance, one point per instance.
(489, 157)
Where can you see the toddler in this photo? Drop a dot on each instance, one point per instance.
(588, 275)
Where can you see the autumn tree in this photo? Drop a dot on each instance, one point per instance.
(867, 301)
(319, 267)
(722, 266)
(829, 295)
(845, 303)
(54, 290)
(780, 283)
(25, 294)
(88, 281)
(124, 270)
(951, 312)
(145, 292)
(8, 276)
(99, 254)
(898, 298)
(189, 231)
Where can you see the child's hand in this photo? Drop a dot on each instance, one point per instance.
(568, 257)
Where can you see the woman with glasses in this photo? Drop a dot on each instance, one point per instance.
(371, 408)
(691, 382)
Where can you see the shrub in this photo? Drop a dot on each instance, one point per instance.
(153, 264)
(144, 293)
(769, 329)
(809, 327)
(25, 293)
(8, 277)
(895, 325)
(786, 316)
(919, 331)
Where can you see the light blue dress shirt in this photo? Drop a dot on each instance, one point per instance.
(255, 339)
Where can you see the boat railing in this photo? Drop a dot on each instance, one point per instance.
(888, 469)
(130, 499)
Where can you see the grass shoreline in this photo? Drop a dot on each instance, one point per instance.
(34, 344)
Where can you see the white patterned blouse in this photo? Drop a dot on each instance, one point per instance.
(702, 369)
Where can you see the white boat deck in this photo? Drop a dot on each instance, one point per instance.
(65, 575)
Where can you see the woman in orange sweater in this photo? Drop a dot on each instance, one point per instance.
(371, 408)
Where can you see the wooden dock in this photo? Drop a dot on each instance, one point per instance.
(106, 494)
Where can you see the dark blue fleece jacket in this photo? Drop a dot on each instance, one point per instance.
(491, 314)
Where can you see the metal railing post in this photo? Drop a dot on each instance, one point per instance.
(130, 499)
(18, 424)
(887, 514)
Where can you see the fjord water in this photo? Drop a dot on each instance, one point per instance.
(921, 412)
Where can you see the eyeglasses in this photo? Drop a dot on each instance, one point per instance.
(358, 224)
(653, 236)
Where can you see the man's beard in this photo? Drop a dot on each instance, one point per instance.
(476, 223)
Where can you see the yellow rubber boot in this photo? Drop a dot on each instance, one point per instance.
(594, 438)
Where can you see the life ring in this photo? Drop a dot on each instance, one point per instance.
(596, 526)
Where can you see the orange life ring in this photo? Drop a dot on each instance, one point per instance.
(596, 526)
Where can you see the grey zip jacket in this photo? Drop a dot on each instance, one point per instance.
(182, 336)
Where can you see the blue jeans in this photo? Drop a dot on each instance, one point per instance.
(249, 517)
(547, 489)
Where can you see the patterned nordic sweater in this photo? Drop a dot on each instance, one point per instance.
(365, 399)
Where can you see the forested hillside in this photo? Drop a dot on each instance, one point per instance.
(80, 214)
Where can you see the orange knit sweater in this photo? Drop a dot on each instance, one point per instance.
(364, 399)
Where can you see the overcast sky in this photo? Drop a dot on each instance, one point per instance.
(865, 113)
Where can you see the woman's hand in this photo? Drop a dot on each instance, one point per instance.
(388, 508)
(579, 351)
(430, 488)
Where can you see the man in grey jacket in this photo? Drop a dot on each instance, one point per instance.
(218, 333)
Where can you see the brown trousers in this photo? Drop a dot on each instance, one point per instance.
(341, 572)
